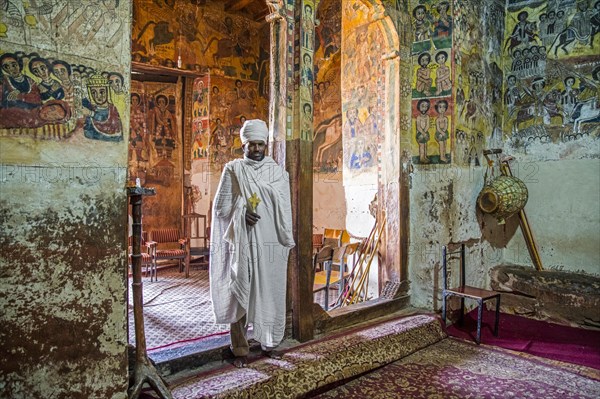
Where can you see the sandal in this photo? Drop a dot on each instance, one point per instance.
(240, 361)
(272, 354)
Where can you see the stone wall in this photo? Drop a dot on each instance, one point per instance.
(64, 122)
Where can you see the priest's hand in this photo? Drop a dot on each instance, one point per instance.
(251, 218)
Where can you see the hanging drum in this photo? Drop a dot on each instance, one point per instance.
(503, 197)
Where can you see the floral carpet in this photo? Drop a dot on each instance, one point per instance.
(453, 368)
(307, 367)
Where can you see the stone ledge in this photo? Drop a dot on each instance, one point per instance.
(557, 296)
(313, 365)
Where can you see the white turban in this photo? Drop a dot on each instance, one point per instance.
(254, 130)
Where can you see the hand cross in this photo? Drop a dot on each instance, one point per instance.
(254, 201)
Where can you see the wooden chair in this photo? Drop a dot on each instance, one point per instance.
(148, 258)
(198, 231)
(327, 277)
(341, 236)
(322, 261)
(166, 242)
(317, 241)
(465, 291)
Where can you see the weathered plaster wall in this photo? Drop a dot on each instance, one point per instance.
(443, 211)
(558, 163)
(63, 160)
(564, 215)
(64, 292)
(329, 202)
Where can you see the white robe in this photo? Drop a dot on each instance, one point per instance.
(248, 265)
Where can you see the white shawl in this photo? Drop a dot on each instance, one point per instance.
(248, 265)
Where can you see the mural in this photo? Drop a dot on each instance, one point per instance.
(432, 123)
(155, 150)
(200, 118)
(49, 98)
(327, 117)
(473, 99)
(187, 35)
(432, 25)
(232, 102)
(362, 93)
(306, 71)
(155, 142)
(551, 66)
(67, 25)
(432, 104)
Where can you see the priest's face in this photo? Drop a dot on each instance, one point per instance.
(255, 150)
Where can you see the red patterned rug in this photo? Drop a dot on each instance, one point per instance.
(453, 368)
(536, 337)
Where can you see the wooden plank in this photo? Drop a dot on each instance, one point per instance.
(355, 314)
(299, 165)
(404, 199)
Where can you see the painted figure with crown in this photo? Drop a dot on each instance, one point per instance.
(102, 119)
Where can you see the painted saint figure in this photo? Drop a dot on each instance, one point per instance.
(138, 137)
(568, 98)
(423, 129)
(443, 26)
(421, 23)
(442, 78)
(308, 27)
(307, 122)
(118, 92)
(163, 126)
(306, 78)
(102, 119)
(424, 80)
(73, 96)
(512, 95)
(441, 128)
(18, 90)
(353, 126)
(50, 88)
(361, 156)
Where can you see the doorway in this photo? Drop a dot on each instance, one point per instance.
(216, 61)
(356, 147)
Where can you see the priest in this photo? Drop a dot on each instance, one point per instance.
(251, 238)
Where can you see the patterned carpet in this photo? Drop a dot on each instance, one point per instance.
(176, 309)
(179, 310)
(457, 369)
(316, 364)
